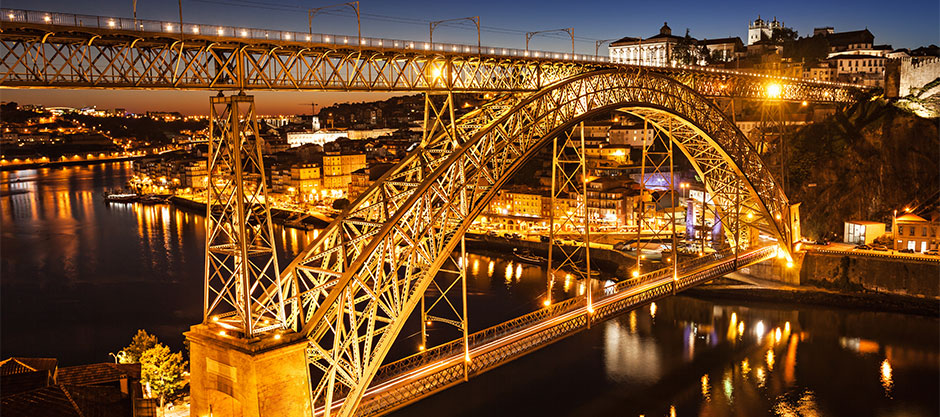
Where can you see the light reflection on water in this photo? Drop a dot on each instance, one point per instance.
(77, 270)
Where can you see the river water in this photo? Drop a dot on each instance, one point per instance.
(79, 276)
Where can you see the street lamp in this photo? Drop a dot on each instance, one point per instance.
(353, 4)
(530, 35)
(597, 45)
(894, 231)
(474, 19)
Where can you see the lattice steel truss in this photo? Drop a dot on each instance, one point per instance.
(657, 162)
(241, 294)
(569, 178)
(63, 53)
(353, 288)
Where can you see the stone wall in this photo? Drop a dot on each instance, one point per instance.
(917, 73)
(853, 273)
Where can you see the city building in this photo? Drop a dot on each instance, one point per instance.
(337, 171)
(761, 29)
(868, 70)
(634, 136)
(319, 137)
(860, 232)
(305, 182)
(656, 50)
(723, 49)
(917, 233)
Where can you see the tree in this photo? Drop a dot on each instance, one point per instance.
(684, 51)
(163, 372)
(340, 204)
(783, 36)
(139, 344)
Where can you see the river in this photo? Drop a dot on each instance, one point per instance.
(80, 276)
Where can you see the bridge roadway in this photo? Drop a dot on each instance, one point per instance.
(413, 378)
(58, 50)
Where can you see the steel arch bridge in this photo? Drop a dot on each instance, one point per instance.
(348, 294)
(351, 291)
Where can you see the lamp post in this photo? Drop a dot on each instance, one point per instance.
(353, 5)
(530, 35)
(474, 19)
(597, 45)
(894, 231)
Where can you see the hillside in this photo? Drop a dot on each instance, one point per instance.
(861, 164)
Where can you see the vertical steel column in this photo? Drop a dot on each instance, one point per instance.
(464, 322)
(587, 229)
(242, 283)
(550, 279)
(638, 218)
(672, 210)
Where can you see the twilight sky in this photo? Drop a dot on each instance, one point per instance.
(902, 24)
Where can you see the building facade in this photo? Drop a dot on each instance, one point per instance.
(656, 50)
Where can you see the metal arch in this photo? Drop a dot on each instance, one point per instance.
(364, 275)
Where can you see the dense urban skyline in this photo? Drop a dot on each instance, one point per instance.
(907, 24)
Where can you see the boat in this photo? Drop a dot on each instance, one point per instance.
(583, 272)
(152, 199)
(120, 196)
(298, 223)
(528, 257)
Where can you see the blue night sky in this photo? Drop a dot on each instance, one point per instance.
(902, 24)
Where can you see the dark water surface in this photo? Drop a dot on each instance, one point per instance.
(78, 276)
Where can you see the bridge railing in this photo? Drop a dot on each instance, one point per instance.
(455, 347)
(174, 29)
(194, 29)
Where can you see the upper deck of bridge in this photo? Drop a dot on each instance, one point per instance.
(287, 60)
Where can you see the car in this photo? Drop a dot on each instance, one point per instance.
(622, 246)
(862, 247)
(881, 248)
(492, 233)
(821, 242)
(906, 250)
(543, 239)
(516, 236)
(933, 252)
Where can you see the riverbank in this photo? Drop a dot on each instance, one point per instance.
(67, 162)
(762, 291)
(288, 218)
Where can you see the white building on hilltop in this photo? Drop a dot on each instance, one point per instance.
(760, 29)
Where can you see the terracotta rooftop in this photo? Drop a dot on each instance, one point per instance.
(17, 365)
(97, 373)
(66, 401)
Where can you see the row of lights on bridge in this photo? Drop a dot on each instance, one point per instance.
(244, 33)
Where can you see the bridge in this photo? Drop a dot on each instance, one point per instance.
(313, 337)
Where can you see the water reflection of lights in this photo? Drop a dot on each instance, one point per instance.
(581, 289)
(632, 321)
(509, 273)
(728, 386)
(705, 388)
(786, 327)
(759, 330)
(745, 368)
(741, 328)
(761, 379)
(672, 411)
(476, 267)
(653, 310)
(490, 269)
(777, 335)
(770, 360)
(518, 272)
(887, 381)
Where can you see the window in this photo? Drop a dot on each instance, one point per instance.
(900, 230)
(912, 231)
(924, 232)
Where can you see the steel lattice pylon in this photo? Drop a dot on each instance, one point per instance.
(353, 288)
(241, 264)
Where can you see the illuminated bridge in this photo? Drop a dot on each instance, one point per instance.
(312, 337)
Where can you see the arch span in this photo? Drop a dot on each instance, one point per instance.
(352, 290)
